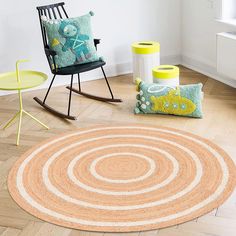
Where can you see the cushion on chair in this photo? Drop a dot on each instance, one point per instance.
(185, 100)
(71, 39)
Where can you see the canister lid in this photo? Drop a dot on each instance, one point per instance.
(146, 47)
(165, 72)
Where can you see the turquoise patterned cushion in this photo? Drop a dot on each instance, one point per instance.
(185, 100)
(71, 39)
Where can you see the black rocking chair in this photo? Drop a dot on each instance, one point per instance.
(55, 11)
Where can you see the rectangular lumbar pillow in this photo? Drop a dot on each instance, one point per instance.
(71, 39)
(185, 100)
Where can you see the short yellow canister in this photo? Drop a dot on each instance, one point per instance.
(166, 75)
(146, 55)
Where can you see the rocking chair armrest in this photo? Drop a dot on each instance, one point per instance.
(96, 42)
(50, 52)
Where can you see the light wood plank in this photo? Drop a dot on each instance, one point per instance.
(52, 230)
(208, 228)
(12, 222)
(31, 229)
(122, 234)
(149, 233)
(84, 233)
(4, 169)
(179, 232)
(2, 229)
(11, 232)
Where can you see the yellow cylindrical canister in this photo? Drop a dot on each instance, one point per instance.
(166, 75)
(146, 55)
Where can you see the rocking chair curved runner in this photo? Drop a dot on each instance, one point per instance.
(55, 11)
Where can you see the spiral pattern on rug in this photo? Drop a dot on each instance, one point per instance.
(122, 178)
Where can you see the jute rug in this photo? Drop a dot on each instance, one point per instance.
(122, 178)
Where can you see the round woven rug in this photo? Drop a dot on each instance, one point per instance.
(122, 178)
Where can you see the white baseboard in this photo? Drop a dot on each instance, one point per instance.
(111, 71)
(206, 69)
(126, 68)
(171, 60)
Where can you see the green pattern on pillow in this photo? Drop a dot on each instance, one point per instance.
(185, 100)
(71, 39)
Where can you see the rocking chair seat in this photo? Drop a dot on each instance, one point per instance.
(76, 69)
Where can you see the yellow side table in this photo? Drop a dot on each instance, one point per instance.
(21, 80)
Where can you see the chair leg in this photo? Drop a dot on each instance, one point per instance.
(52, 110)
(45, 98)
(108, 85)
(71, 84)
(79, 83)
(102, 99)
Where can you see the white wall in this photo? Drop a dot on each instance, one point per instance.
(118, 23)
(199, 29)
(183, 27)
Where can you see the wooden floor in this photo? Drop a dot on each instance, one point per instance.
(218, 125)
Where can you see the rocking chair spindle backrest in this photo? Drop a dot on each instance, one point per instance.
(53, 11)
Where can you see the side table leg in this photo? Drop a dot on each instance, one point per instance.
(11, 120)
(19, 129)
(35, 119)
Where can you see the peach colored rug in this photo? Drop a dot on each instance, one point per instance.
(122, 178)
